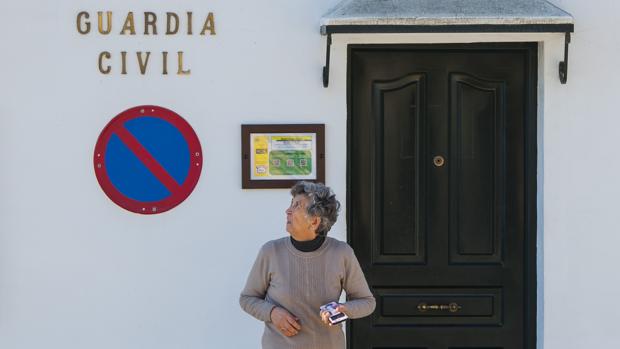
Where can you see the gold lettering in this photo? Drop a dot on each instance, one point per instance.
(129, 25)
(142, 63)
(209, 25)
(123, 62)
(100, 22)
(150, 20)
(189, 23)
(180, 71)
(169, 17)
(164, 56)
(107, 69)
(79, 22)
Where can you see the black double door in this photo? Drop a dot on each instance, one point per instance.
(441, 177)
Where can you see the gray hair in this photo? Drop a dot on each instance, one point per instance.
(323, 203)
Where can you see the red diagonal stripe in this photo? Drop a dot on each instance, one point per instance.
(147, 159)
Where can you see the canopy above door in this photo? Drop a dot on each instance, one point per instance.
(446, 16)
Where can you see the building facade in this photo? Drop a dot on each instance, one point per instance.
(77, 270)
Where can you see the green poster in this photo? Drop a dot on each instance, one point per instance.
(290, 162)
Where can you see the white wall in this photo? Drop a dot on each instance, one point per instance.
(581, 187)
(76, 271)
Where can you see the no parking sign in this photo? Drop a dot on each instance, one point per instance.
(148, 159)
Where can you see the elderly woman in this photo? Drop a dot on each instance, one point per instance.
(293, 276)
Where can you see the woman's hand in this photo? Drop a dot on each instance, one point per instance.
(285, 321)
(325, 314)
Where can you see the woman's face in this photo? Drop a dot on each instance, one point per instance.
(298, 223)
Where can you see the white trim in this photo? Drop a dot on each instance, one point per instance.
(540, 260)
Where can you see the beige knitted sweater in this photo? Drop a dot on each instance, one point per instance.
(301, 282)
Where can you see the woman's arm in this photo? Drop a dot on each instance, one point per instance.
(252, 298)
(360, 301)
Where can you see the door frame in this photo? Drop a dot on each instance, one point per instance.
(530, 166)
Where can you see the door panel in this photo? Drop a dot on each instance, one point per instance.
(414, 306)
(477, 115)
(397, 125)
(437, 194)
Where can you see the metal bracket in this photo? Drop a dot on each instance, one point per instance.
(564, 64)
(326, 66)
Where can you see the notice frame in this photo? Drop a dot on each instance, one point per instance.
(280, 155)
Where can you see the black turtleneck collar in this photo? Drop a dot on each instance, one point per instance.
(310, 245)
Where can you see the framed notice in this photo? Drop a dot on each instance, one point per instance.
(278, 156)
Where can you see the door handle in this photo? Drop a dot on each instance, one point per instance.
(452, 307)
(439, 161)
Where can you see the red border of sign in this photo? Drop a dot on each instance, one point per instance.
(183, 191)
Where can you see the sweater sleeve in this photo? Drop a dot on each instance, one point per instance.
(252, 298)
(360, 301)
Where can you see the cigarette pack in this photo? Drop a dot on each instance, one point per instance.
(335, 316)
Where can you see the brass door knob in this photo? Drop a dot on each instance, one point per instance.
(438, 160)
